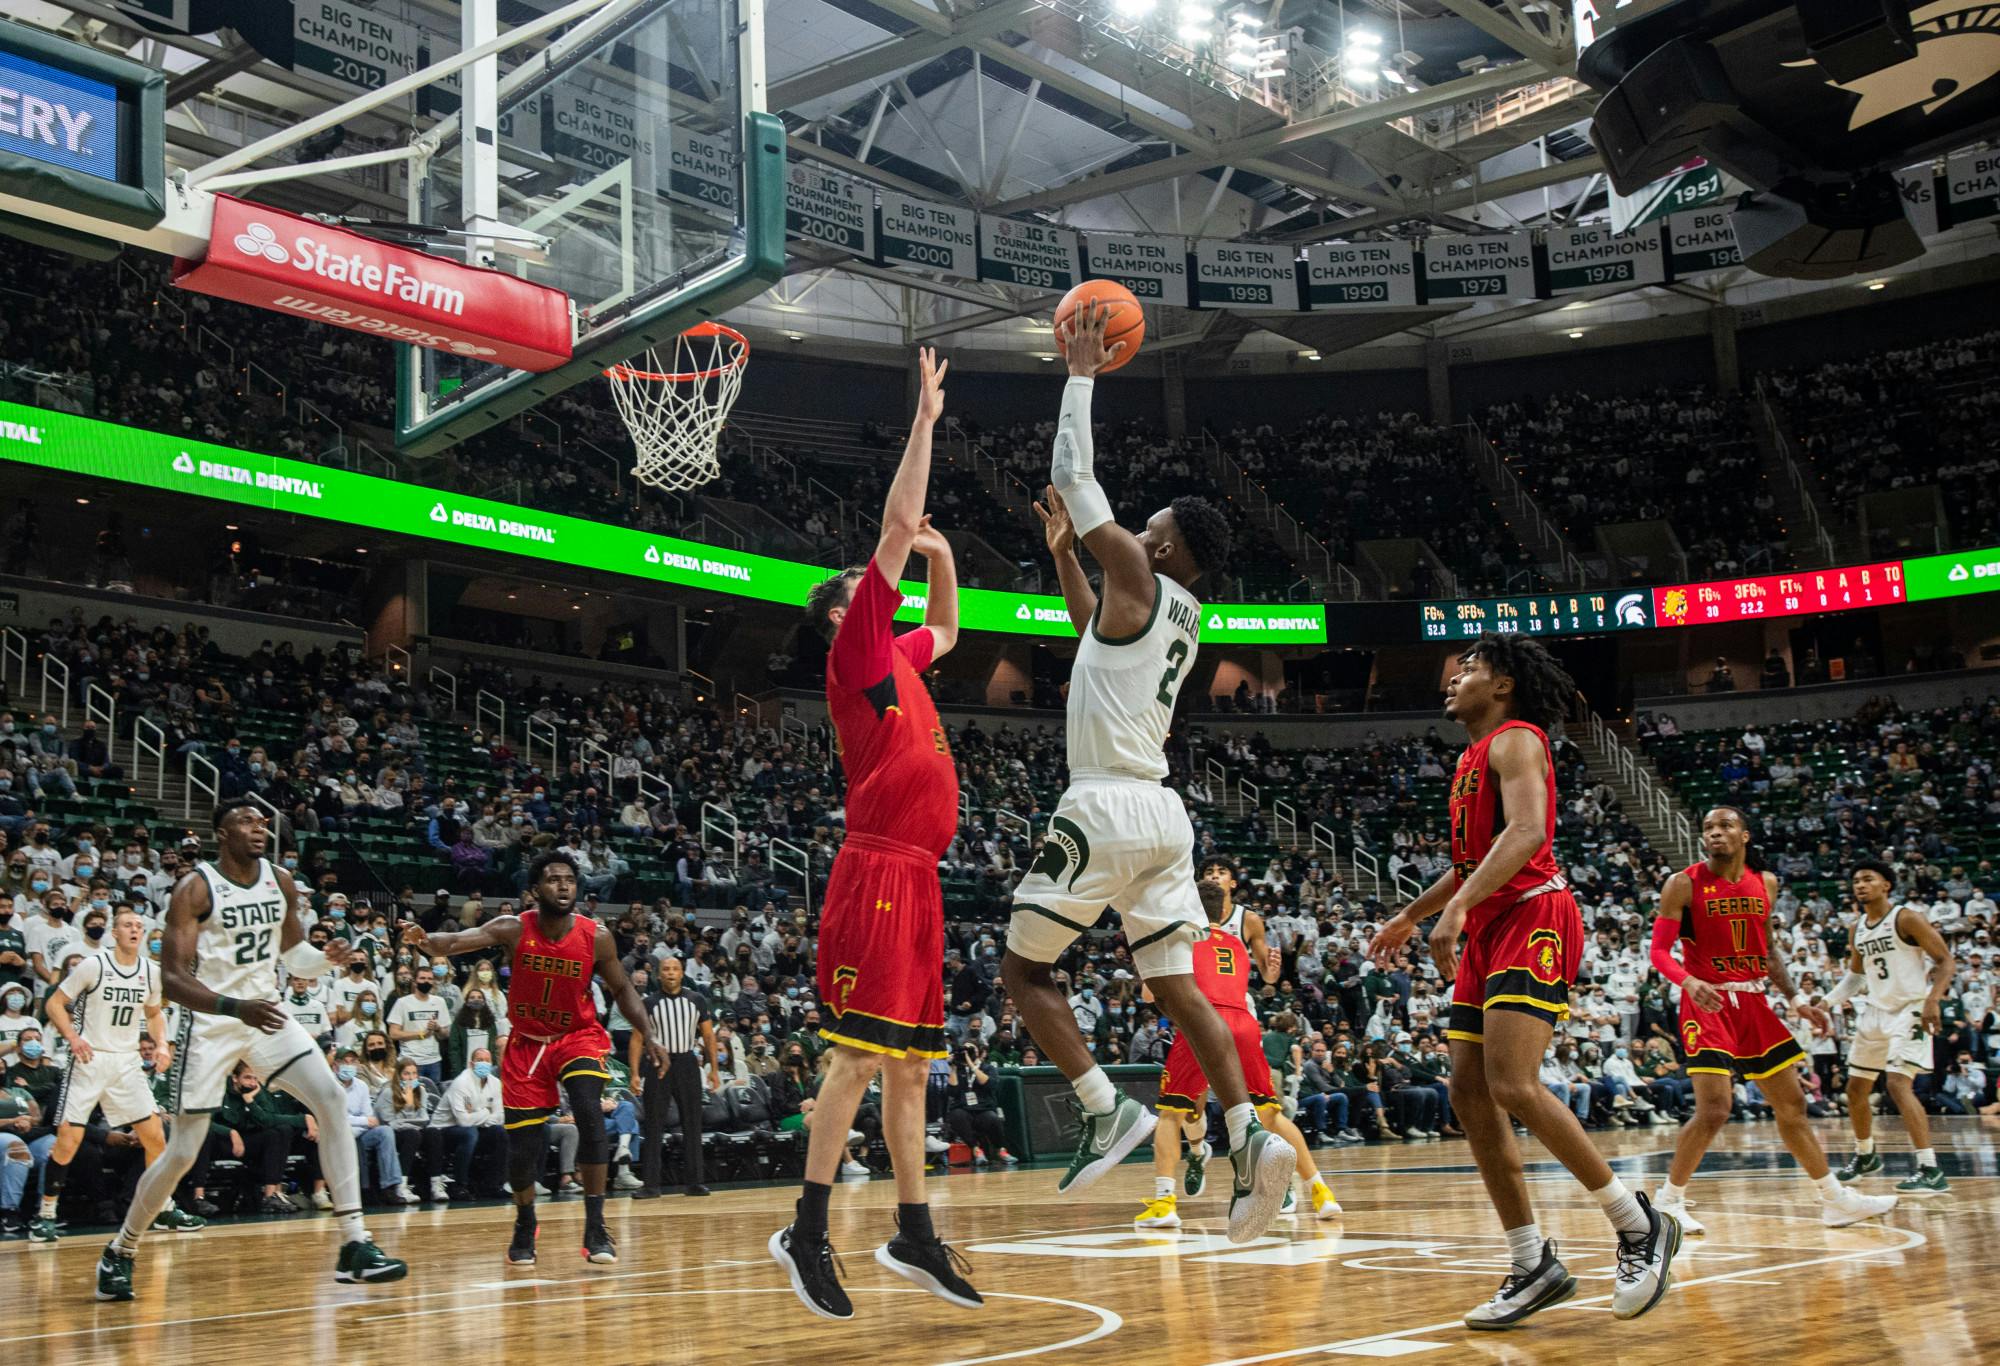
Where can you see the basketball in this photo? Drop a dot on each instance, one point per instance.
(1127, 322)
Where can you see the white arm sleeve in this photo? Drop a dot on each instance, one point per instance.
(1070, 464)
(1850, 986)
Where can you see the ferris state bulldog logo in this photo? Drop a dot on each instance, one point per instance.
(1545, 956)
(1691, 1037)
(844, 982)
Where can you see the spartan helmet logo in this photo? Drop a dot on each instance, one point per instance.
(1065, 849)
(1958, 50)
(1631, 610)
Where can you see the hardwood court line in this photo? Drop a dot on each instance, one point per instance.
(1913, 1239)
(1108, 1321)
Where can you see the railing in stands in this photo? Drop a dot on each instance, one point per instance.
(792, 728)
(1653, 798)
(1218, 783)
(1516, 499)
(201, 777)
(1322, 837)
(399, 662)
(1249, 797)
(1781, 442)
(1367, 865)
(706, 685)
(56, 672)
(541, 735)
(594, 756)
(149, 742)
(1003, 819)
(489, 713)
(653, 789)
(719, 825)
(13, 659)
(100, 706)
(1284, 823)
(444, 689)
(792, 859)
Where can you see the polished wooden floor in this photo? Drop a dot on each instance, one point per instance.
(1071, 1281)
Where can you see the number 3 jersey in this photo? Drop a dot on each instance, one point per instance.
(1222, 970)
(236, 947)
(1122, 690)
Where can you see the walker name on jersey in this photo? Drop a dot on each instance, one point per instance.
(250, 915)
(1186, 617)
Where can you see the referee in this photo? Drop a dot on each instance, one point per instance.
(680, 1020)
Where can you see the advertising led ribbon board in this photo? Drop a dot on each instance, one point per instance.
(104, 450)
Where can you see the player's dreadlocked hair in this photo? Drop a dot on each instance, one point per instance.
(1543, 689)
(1204, 531)
(826, 595)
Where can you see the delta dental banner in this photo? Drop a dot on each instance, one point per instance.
(1246, 277)
(1592, 257)
(1035, 255)
(1153, 268)
(916, 232)
(822, 206)
(1479, 268)
(272, 259)
(1360, 275)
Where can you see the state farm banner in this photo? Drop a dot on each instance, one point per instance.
(268, 258)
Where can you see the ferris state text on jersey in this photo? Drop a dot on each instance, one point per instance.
(549, 965)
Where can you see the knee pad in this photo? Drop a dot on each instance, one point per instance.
(525, 1146)
(586, 1103)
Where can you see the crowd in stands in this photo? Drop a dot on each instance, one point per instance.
(1678, 455)
(1927, 414)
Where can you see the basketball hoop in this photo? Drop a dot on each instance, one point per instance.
(676, 403)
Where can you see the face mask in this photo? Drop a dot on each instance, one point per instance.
(378, 1054)
(475, 1003)
(336, 913)
(147, 1064)
(486, 974)
(48, 730)
(133, 860)
(93, 932)
(61, 914)
(367, 1007)
(153, 947)
(40, 884)
(482, 1070)
(346, 1073)
(298, 998)
(6, 784)
(17, 1004)
(291, 865)
(31, 1050)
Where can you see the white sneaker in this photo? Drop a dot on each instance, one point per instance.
(438, 1191)
(623, 1150)
(403, 1195)
(1645, 1264)
(540, 1189)
(321, 1200)
(1521, 1295)
(1668, 1204)
(852, 1168)
(855, 1135)
(625, 1181)
(1851, 1207)
(1290, 1204)
(934, 1145)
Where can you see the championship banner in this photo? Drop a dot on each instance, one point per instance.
(1701, 241)
(1593, 256)
(1246, 277)
(1361, 275)
(701, 170)
(597, 128)
(916, 232)
(361, 49)
(1479, 268)
(821, 206)
(171, 14)
(1972, 187)
(1034, 255)
(1153, 268)
(1693, 186)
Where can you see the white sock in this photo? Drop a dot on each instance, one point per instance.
(1670, 1191)
(1163, 1186)
(1524, 1244)
(351, 1230)
(1095, 1090)
(1926, 1157)
(1829, 1187)
(1864, 1146)
(1239, 1118)
(1621, 1207)
(1194, 1131)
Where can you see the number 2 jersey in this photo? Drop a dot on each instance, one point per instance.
(1122, 689)
(1726, 930)
(236, 943)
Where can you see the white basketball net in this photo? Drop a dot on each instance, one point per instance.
(675, 401)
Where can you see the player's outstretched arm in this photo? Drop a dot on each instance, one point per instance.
(903, 509)
(1060, 533)
(1127, 600)
(941, 589)
(502, 931)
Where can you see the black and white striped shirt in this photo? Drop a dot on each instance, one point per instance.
(677, 1019)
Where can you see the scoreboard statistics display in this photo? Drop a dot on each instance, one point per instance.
(1845, 589)
(1549, 614)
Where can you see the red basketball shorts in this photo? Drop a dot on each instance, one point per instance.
(881, 949)
(1184, 1086)
(532, 1071)
(1745, 1038)
(1523, 957)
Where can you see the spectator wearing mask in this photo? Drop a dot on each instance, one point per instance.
(259, 1129)
(974, 1117)
(14, 1021)
(374, 1139)
(418, 1025)
(407, 1106)
(473, 1029)
(15, 968)
(474, 1124)
(364, 1014)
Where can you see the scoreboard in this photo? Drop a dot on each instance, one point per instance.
(1549, 614)
(1845, 589)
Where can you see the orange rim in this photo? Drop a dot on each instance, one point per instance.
(707, 329)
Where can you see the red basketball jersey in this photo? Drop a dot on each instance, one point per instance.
(549, 991)
(1478, 816)
(1222, 969)
(1725, 931)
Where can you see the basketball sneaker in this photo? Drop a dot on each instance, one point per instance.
(1864, 1164)
(812, 1268)
(1159, 1213)
(598, 1249)
(521, 1249)
(1851, 1207)
(42, 1233)
(1324, 1205)
(361, 1260)
(114, 1274)
(1263, 1172)
(1927, 1181)
(1525, 1292)
(1196, 1180)
(1645, 1263)
(1676, 1205)
(1103, 1141)
(1290, 1204)
(932, 1264)
(174, 1220)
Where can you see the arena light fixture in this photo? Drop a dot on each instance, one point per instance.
(1878, 284)
(1134, 9)
(1576, 334)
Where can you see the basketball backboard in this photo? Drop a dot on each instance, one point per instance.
(630, 167)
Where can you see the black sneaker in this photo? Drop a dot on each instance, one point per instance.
(646, 1193)
(1525, 1293)
(812, 1267)
(695, 1190)
(598, 1249)
(521, 1251)
(933, 1265)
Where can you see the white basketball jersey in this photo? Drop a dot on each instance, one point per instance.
(236, 951)
(1121, 692)
(107, 1002)
(1898, 972)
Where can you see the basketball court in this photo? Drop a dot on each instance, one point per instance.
(1071, 1280)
